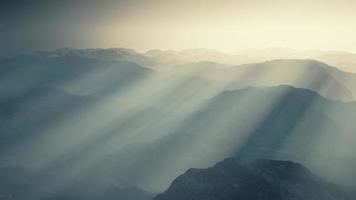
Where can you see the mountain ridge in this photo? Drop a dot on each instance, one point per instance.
(257, 180)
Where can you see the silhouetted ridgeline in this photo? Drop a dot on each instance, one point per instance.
(258, 180)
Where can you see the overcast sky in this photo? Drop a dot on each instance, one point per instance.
(226, 25)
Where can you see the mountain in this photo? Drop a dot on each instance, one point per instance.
(117, 54)
(258, 180)
(347, 61)
(282, 122)
(23, 116)
(344, 60)
(105, 71)
(309, 74)
(92, 122)
(251, 123)
(346, 78)
(75, 73)
(274, 123)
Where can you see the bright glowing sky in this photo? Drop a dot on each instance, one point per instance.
(225, 25)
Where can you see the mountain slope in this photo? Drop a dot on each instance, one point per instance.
(77, 74)
(117, 54)
(308, 74)
(23, 116)
(253, 123)
(259, 180)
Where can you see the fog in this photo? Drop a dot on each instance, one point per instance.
(112, 126)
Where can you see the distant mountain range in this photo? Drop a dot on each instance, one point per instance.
(82, 71)
(113, 54)
(346, 61)
(88, 123)
(258, 180)
(309, 74)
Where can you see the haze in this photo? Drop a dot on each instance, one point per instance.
(224, 25)
(101, 97)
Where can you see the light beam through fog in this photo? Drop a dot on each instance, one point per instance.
(155, 108)
(210, 80)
